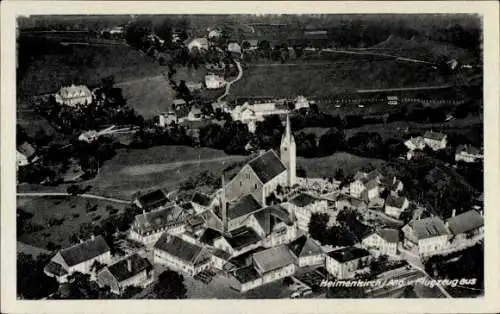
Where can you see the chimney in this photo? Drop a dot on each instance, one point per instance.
(129, 265)
(223, 206)
(453, 212)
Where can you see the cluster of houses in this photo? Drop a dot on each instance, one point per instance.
(74, 96)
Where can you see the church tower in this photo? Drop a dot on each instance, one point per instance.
(287, 153)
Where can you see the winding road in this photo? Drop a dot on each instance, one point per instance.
(92, 196)
(228, 84)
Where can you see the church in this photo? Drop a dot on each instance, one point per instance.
(261, 175)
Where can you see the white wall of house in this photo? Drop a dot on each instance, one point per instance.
(303, 214)
(436, 144)
(85, 266)
(381, 246)
(163, 258)
(356, 188)
(433, 246)
(310, 260)
(278, 274)
(346, 269)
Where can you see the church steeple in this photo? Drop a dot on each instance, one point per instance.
(288, 152)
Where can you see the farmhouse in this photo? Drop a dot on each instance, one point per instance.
(214, 81)
(152, 200)
(345, 262)
(149, 226)
(303, 206)
(133, 270)
(467, 153)
(202, 202)
(181, 255)
(435, 140)
(301, 102)
(25, 154)
(73, 96)
(349, 202)
(383, 242)
(167, 119)
(426, 237)
(198, 43)
(274, 224)
(78, 258)
(306, 252)
(395, 205)
(415, 143)
(466, 228)
(234, 47)
(194, 114)
(238, 241)
(366, 185)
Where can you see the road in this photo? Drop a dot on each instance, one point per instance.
(228, 84)
(400, 58)
(91, 196)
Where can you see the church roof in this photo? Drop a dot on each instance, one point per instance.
(267, 166)
(243, 206)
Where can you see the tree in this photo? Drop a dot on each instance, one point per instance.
(170, 285)
(318, 226)
(301, 172)
(339, 174)
(32, 283)
(164, 31)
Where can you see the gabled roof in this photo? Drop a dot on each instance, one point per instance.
(212, 220)
(243, 206)
(267, 166)
(428, 227)
(371, 184)
(304, 246)
(153, 199)
(209, 235)
(303, 200)
(468, 149)
(348, 254)
(395, 201)
(271, 215)
(120, 270)
(201, 199)
(389, 235)
(242, 237)
(74, 91)
(246, 274)
(186, 251)
(465, 222)
(220, 253)
(85, 251)
(434, 135)
(157, 219)
(273, 258)
(26, 149)
(55, 269)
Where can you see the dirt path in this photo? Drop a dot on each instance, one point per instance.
(400, 58)
(92, 196)
(228, 85)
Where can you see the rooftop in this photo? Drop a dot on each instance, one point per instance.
(395, 201)
(26, 149)
(201, 199)
(302, 200)
(85, 251)
(304, 246)
(468, 149)
(273, 258)
(428, 227)
(209, 235)
(243, 206)
(271, 215)
(120, 269)
(348, 254)
(186, 251)
(157, 219)
(389, 235)
(153, 199)
(434, 135)
(465, 222)
(246, 274)
(242, 237)
(267, 166)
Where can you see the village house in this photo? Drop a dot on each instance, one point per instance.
(194, 86)
(382, 242)
(78, 258)
(366, 185)
(426, 237)
(252, 44)
(343, 263)
(301, 103)
(234, 47)
(219, 258)
(194, 114)
(306, 252)
(152, 200)
(238, 241)
(198, 43)
(214, 34)
(274, 224)
(220, 105)
(149, 226)
(133, 270)
(395, 205)
(73, 96)
(195, 224)
(180, 255)
(202, 202)
(345, 201)
(415, 143)
(468, 153)
(166, 119)
(435, 140)
(25, 154)
(466, 229)
(303, 206)
(214, 81)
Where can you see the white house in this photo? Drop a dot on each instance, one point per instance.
(468, 153)
(166, 119)
(306, 252)
(435, 140)
(366, 185)
(383, 242)
(415, 143)
(25, 154)
(238, 241)
(234, 47)
(343, 263)
(181, 255)
(303, 206)
(202, 202)
(133, 270)
(274, 224)
(395, 205)
(199, 43)
(78, 258)
(301, 102)
(426, 237)
(214, 81)
(466, 229)
(74, 95)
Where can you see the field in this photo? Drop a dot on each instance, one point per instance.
(73, 211)
(132, 171)
(326, 166)
(318, 79)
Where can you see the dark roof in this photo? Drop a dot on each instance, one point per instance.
(359, 229)
(158, 219)
(302, 200)
(434, 135)
(273, 258)
(348, 254)
(271, 215)
(220, 253)
(212, 220)
(371, 184)
(464, 222)
(196, 124)
(120, 269)
(26, 149)
(245, 259)
(84, 251)
(186, 251)
(153, 199)
(209, 235)
(468, 149)
(389, 235)
(241, 237)
(202, 199)
(55, 269)
(395, 201)
(428, 227)
(246, 274)
(304, 246)
(267, 166)
(243, 206)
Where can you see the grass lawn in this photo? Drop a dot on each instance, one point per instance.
(320, 79)
(190, 75)
(326, 166)
(71, 209)
(149, 96)
(140, 170)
